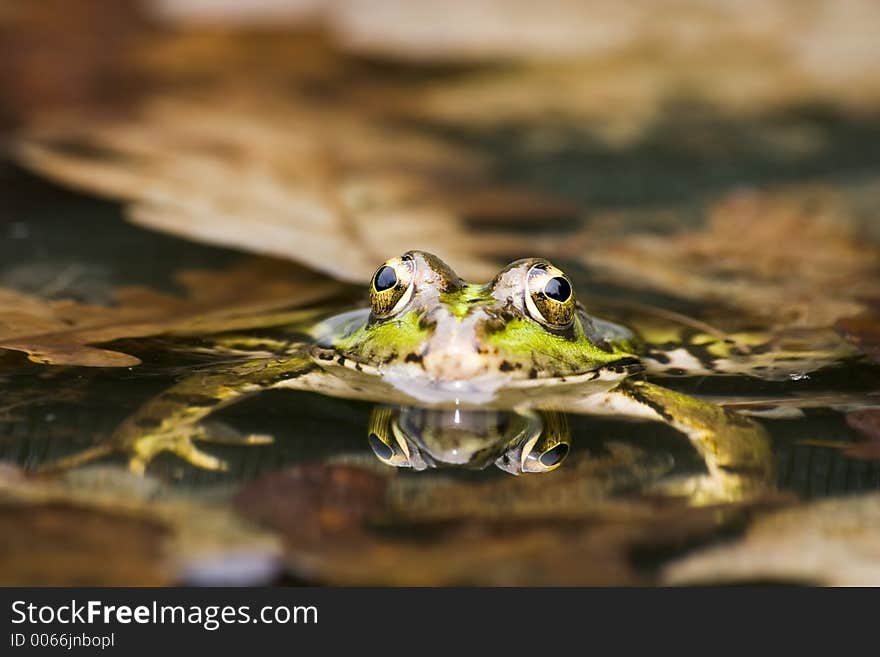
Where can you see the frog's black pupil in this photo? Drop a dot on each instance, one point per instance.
(386, 278)
(558, 289)
(381, 450)
(553, 456)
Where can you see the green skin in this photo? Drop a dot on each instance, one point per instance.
(448, 344)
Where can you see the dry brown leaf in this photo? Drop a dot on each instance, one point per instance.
(479, 30)
(614, 66)
(790, 258)
(832, 542)
(607, 65)
(334, 190)
(62, 332)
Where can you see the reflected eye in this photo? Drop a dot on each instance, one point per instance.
(540, 447)
(543, 459)
(383, 451)
(383, 440)
(554, 456)
(391, 287)
(550, 298)
(387, 450)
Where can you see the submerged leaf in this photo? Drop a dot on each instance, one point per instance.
(102, 526)
(831, 542)
(344, 525)
(63, 332)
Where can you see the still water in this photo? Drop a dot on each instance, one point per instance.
(53, 420)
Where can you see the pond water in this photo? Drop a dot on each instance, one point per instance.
(58, 245)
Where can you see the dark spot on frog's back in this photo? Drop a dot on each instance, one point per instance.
(741, 469)
(659, 356)
(628, 365)
(506, 366)
(493, 325)
(292, 374)
(426, 323)
(508, 312)
(737, 418)
(533, 373)
(190, 400)
(605, 346)
(413, 357)
(650, 403)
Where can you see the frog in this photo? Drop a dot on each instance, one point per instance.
(522, 343)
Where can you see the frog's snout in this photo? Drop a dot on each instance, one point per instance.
(454, 351)
(453, 363)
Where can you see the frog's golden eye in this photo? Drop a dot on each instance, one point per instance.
(384, 441)
(547, 451)
(549, 459)
(392, 286)
(550, 297)
(541, 446)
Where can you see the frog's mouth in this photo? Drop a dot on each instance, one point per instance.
(411, 379)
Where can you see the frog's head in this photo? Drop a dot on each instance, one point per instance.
(428, 330)
(421, 438)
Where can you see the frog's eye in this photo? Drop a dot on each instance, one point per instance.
(541, 447)
(548, 450)
(392, 286)
(388, 451)
(550, 297)
(384, 441)
(545, 460)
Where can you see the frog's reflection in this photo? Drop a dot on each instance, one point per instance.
(736, 452)
(421, 438)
